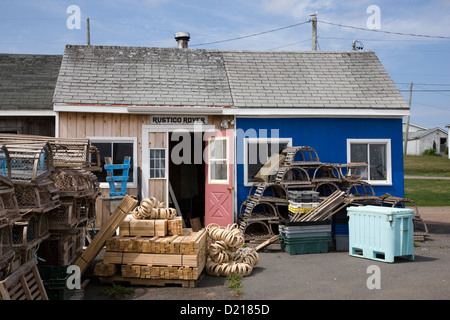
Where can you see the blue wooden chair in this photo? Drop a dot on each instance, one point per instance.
(112, 178)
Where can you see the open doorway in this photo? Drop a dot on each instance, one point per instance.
(187, 175)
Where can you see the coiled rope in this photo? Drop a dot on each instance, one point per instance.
(151, 208)
(226, 253)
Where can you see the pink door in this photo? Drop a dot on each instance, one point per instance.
(219, 178)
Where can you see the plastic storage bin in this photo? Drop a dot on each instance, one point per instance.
(305, 245)
(305, 229)
(381, 233)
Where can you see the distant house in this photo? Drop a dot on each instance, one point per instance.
(421, 139)
(147, 102)
(27, 84)
(448, 138)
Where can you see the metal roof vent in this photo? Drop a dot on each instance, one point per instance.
(182, 39)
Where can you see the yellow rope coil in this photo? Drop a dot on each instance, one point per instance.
(151, 208)
(226, 253)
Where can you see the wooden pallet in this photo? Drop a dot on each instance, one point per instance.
(23, 284)
(164, 259)
(118, 279)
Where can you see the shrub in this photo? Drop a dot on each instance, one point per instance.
(429, 152)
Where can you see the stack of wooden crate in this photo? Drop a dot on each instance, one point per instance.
(154, 252)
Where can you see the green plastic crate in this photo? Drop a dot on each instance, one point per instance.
(305, 245)
(54, 279)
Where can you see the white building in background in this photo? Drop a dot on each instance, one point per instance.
(421, 139)
(448, 139)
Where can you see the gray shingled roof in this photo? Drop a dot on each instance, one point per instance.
(242, 79)
(27, 82)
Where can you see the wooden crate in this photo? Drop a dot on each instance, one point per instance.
(23, 284)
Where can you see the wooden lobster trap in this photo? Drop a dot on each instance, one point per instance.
(63, 217)
(29, 231)
(6, 248)
(9, 207)
(61, 249)
(40, 197)
(30, 161)
(24, 284)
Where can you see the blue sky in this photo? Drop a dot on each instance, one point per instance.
(39, 27)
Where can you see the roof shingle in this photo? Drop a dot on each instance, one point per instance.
(242, 79)
(27, 82)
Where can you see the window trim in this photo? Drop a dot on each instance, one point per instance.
(387, 142)
(166, 163)
(253, 140)
(93, 139)
(226, 159)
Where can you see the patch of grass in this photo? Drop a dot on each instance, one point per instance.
(117, 291)
(235, 282)
(428, 192)
(427, 166)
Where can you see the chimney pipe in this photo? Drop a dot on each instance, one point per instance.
(182, 38)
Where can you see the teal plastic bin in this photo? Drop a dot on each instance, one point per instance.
(381, 233)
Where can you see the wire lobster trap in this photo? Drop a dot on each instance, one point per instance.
(40, 198)
(67, 152)
(29, 162)
(31, 230)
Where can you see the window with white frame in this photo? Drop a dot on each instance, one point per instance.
(377, 154)
(157, 163)
(257, 152)
(218, 160)
(117, 149)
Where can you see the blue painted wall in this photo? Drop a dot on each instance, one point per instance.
(328, 136)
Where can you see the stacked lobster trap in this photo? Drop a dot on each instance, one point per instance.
(298, 170)
(78, 190)
(47, 197)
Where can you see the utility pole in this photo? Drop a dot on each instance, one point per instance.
(314, 31)
(88, 32)
(407, 120)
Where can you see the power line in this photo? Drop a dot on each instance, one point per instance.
(288, 45)
(251, 35)
(384, 31)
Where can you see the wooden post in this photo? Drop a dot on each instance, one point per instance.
(88, 32)
(314, 33)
